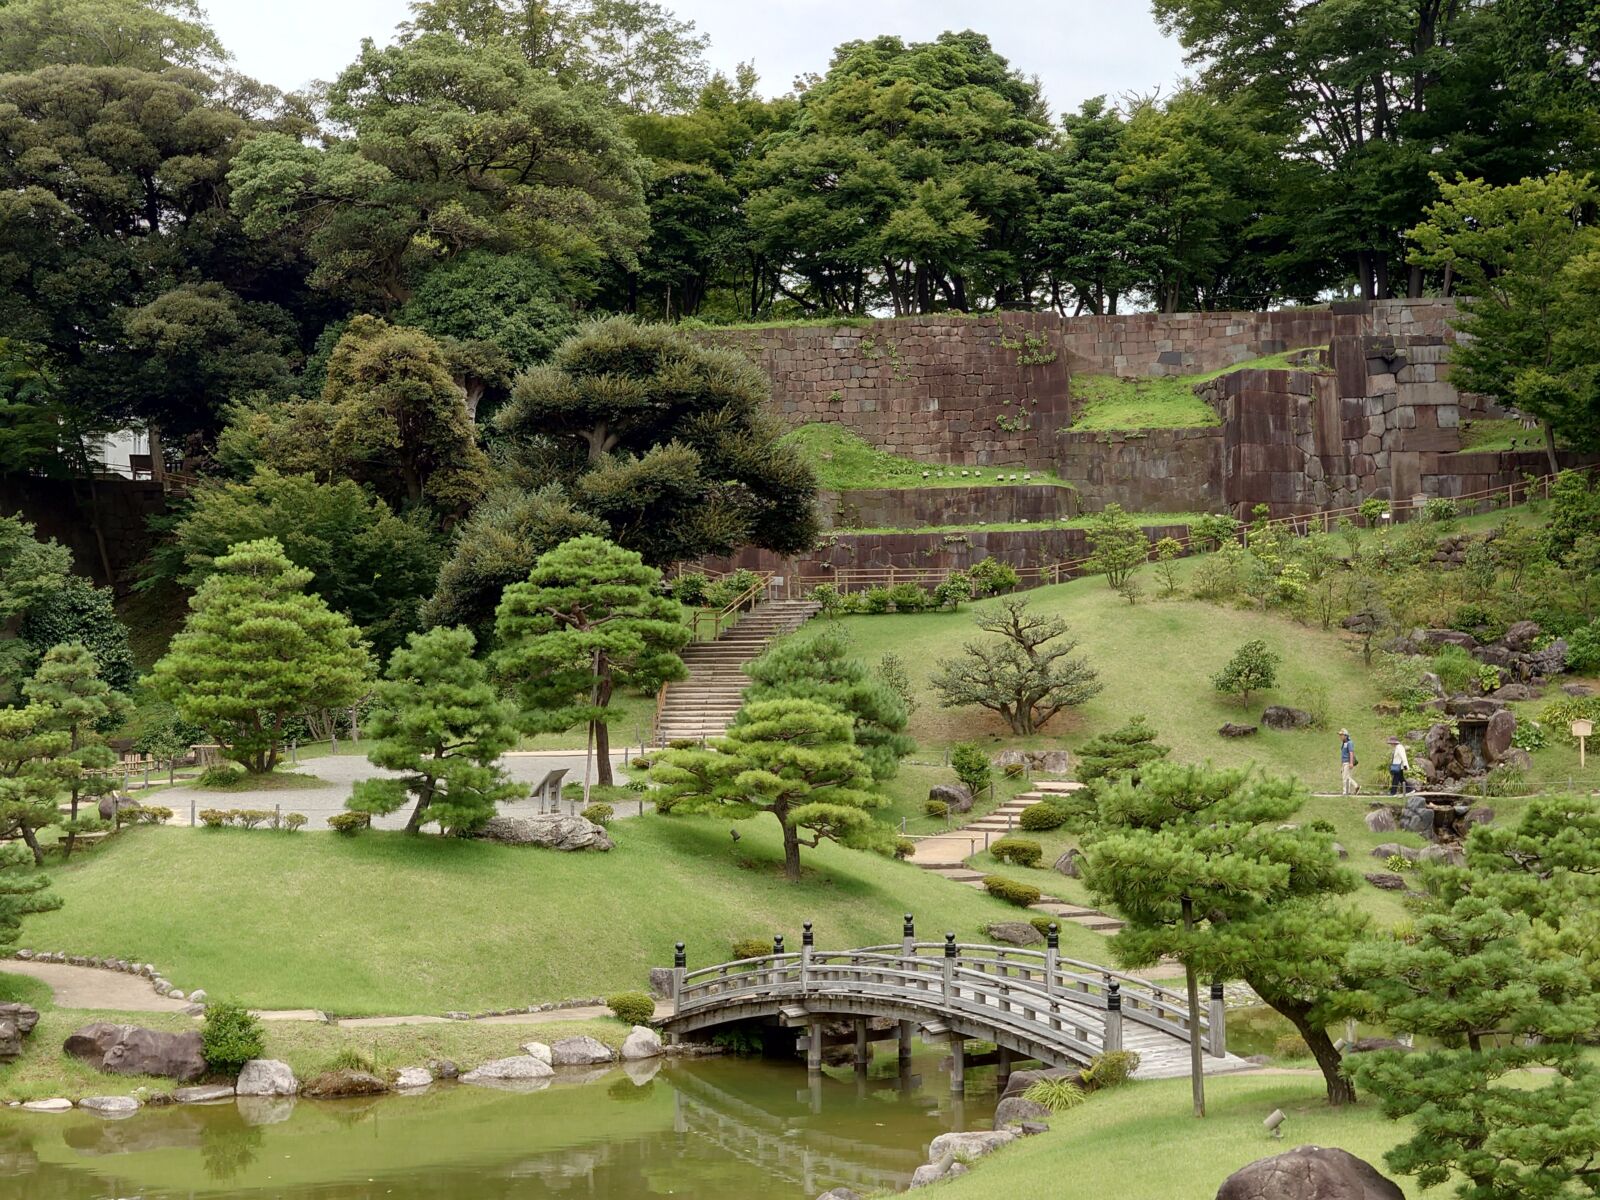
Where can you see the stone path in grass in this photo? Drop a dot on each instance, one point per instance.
(945, 855)
(339, 773)
(92, 987)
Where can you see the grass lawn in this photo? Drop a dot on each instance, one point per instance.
(844, 461)
(383, 923)
(1155, 402)
(1140, 1141)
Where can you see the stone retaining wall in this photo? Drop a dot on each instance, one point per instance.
(906, 508)
(1145, 470)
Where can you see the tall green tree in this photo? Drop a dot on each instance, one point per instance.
(367, 563)
(31, 776)
(79, 703)
(667, 441)
(1089, 227)
(1117, 545)
(150, 35)
(820, 667)
(590, 618)
(794, 759)
(1122, 752)
(1027, 676)
(256, 650)
(1197, 862)
(1528, 259)
(438, 718)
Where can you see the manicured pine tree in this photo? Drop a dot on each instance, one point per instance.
(820, 667)
(1121, 752)
(257, 650)
(795, 759)
(590, 618)
(439, 719)
(1194, 860)
(31, 776)
(78, 702)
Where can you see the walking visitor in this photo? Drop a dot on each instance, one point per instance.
(1399, 764)
(1347, 764)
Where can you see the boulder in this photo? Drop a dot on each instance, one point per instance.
(1232, 729)
(204, 1094)
(1386, 881)
(1021, 1081)
(444, 1068)
(1014, 933)
(1447, 637)
(1430, 683)
(1014, 1110)
(1009, 758)
(518, 1068)
(537, 1050)
(1279, 716)
(266, 1077)
(1381, 820)
(16, 1022)
(580, 1052)
(1417, 817)
(1371, 1045)
(55, 1105)
(551, 831)
(840, 1194)
(132, 1050)
(1051, 762)
(1452, 855)
(1521, 635)
(953, 796)
(1338, 848)
(1481, 815)
(1067, 864)
(971, 1144)
(661, 982)
(1309, 1173)
(1497, 737)
(642, 1042)
(1387, 850)
(1513, 692)
(1479, 708)
(111, 804)
(1517, 757)
(1577, 689)
(110, 1106)
(343, 1082)
(409, 1079)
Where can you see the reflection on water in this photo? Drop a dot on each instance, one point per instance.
(712, 1129)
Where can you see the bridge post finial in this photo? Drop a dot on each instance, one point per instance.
(806, 938)
(1052, 958)
(1217, 1018)
(949, 965)
(807, 943)
(1113, 1040)
(950, 945)
(775, 977)
(908, 936)
(680, 965)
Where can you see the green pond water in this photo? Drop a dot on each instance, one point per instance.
(712, 1129)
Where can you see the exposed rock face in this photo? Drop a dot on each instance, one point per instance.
(1039, 762)
(953, 796)
(1014, 1110)
(661, 982)
(537, 1050)
(972, 1144)
(1454, 855)
(1278, 716)
(204, 1094)
(580, 1052)
(1417, 817)
(1234, 730)
(342, 1083)
(1497, 737)
(132, 1050)
(1014, 933)
(444, 1068)
(16, 1022)
(1381, 820)
(1309, 1173)
(266, 1077)
(840, 1194)
(1387, 881)
(551, 831)
(1387, 850)
(518, 1068)
(1067, 864)
(641, 1043)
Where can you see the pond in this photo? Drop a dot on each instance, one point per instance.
(712, 1129)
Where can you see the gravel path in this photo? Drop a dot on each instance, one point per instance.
(92, 987)
(340, 772)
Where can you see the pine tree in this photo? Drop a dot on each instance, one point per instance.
(79, 703)
(439, 719)
(1195, 861)
(1023, 677)
(795, 759)
(31, 776)
(589, 619)
(820, 668)
(22, 891)
(1121, 752)
(257, 650)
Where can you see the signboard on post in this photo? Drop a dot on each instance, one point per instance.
(1581, 730)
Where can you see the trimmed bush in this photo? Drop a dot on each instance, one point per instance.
(350, 823)
(683, 744)
(991, 576)
(904, 848)
(632, 1008)
(936, 808)
(147, 814)
(231, 1037)
(640, 764)
(1011, 891)
(249, 818)
(293, 821)
(1019, 852)
(219, 776)
(1038, 818)
(213, 818)
(1042, 924)
(971, 766)
(1014, 770)
(1111, 1068)
(909, 598)
(598, 814)
(752, 948)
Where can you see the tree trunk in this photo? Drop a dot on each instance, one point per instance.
(791, 851)
(32, 840)
(1197, 1069)
(1550, 446)
(1340, 1090)
(1364, 273)
(72, 833)
(602, 731)
(424, 798)
(1414, 282)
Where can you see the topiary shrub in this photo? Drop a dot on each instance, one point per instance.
(350, 823)
(598, 814)
(148, 814)
(991, 576)
(1038, 818)
(249, 818)
(230, 1037)
(1042, 924)
(936, 808)
(213, 818)
(640, 764)
(904, 848)
(971, 766)
(293, 822)
(222, 775)
(632, 1008)
(876, 600)
(909, 598)
(752, 948)
(682, 744)
(1011, 891)
(1290, 1045)
(1020, 852)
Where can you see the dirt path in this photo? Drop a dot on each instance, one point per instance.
(91, 987)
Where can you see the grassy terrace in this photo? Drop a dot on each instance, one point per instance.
(1110, 402)
(845, 461)
(1082, 521)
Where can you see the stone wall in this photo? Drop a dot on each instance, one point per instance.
(1145, 470)
(905, 508)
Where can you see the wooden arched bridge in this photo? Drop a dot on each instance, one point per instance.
(1031, 1004)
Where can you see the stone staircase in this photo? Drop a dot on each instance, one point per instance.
(945, 855)
(703, 705)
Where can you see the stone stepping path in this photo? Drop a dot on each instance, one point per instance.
(946, 854)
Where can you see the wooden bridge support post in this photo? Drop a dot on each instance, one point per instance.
(1218, 1018)
(814, 1047)
(680, 966)
(807, 941)
(1113, 1017)
(863, 1050)
(907, 1030)
(1003, 1070)
(775, 976)
(949, 966)
(958, 1063)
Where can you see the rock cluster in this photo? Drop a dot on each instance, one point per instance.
(1513, 652)
(16, 1022)
(131, 1050)
(1038, 762)
(1014, 933)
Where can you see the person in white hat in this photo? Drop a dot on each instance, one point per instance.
(1347, 765)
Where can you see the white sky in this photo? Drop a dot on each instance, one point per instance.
(1079, 48)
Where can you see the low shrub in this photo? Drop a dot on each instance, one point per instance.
(683, 744)
(1506, 780)
(1290, 1045)
(350, 823)
(1441, 508)
(752, 947)
(147, 814)
(904, 848)
(876, 600)
(1057, 1094)
(910, 598)
(991, 576)
(954, 590)
(293, 822)
(1042, 924)
(971, 765)
(249, 818)
(936, 808)
(1583, 649)
(213, 818)
(690, 588)
(598, 814)
(632, 1008)
(1019, 852)
(1559, 715)
(230, 1036)
(1013, 770)
(1398, 863)
(1530, 736)
(1044, 816)
(1011, 891)
(640, 764)
(1111, 1068)
(350, 1059)
(220, 775)
(828, 598)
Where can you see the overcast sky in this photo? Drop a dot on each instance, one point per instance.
(1079, 48)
